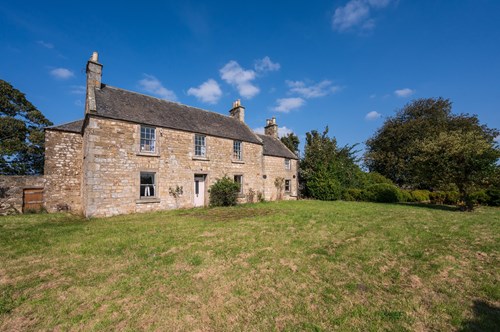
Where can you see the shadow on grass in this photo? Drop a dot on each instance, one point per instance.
(486, 318)
(433, 206)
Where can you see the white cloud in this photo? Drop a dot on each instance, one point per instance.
(45, 44)
(285, 105)
(78, 89)
(152, 85)
(370, 116)
(208, 92)
(265, 64)
(497, 139)
(356, 13)
(320, 89)
(282, 131)
(62, 73)
(241, 79)
(404, 92)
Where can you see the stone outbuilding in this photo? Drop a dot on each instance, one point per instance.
(136, 153)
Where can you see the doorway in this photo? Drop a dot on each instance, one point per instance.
(199, 190)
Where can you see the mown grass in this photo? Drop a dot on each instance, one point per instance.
(291, 266)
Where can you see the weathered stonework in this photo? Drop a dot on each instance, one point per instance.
(274, 167)
(63, 171)
(11, 191)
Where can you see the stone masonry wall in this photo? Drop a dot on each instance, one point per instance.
(63, 171)
(275, 167)
(111, 174)
(11, 191)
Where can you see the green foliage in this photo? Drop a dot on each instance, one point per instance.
(425, 146)
(452, 197)
(479, 197)
(326, 169)
(494, 195)
(383, 193)
(21, 133)
(352, 194)
(324, 187)
(420, 195)
(292, 142)
(406, 196)
(437, 197)
(224, 192)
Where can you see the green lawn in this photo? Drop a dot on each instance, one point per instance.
(302, 265)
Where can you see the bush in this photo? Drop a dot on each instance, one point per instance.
(383, 193)
(406, 196)
(437, 197)
(224, 192)
(479, 197)
(494, 194)
(352, 195)
(452, 197)
(420, 195)
(324, 188)
(375, 178)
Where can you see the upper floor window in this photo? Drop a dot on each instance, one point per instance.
(288, 164)
(200, 148)
(148, 185)
(288, 186)
(148, 139)
(237, 152)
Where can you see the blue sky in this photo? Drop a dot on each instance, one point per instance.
(347, 64)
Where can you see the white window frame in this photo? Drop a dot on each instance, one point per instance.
(147, 186)
(147, 139)
(200, 145)
(240, 181)
(288, 164)
(288, 183)
(237, 150)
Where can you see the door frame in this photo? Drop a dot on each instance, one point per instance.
(204, 176)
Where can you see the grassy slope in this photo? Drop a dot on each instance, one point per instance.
(273, 266)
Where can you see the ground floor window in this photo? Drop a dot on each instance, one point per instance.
(239, 179)
(148, 184)
(288, 186)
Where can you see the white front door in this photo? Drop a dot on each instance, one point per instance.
(199, 190)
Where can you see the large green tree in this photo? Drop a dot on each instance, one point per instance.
(327, 169)
(291, 141)
(426, 146)
(21, 133)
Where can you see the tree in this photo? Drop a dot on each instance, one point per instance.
(292, 142)
(425, 146)
(326, 169)
(21, 133)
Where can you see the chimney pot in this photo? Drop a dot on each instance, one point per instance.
(238, 111)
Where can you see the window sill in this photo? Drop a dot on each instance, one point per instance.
(234, 161)
(200, 158)
(147, 200)
(145, 154)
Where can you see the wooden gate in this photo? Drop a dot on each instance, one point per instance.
(32, 199)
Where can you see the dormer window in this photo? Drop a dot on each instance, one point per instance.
(237, 151)
(148, 139)
(200, 148)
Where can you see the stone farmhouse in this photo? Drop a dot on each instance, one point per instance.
(135, 153)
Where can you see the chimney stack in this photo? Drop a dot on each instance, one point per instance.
(271, 128)
(238, 111)
(94, 75)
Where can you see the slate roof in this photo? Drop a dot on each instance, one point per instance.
(274, 147)
(71, 127)
(126, 105)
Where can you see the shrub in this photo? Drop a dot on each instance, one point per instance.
(494, 194)
(406, 196)
(383, 193)
(375, 178)
(420, 195)
(224, 192)
(324, 188)
(352, 195)
(479, 197)
(260, 197)
(452, 197)
(437, 197)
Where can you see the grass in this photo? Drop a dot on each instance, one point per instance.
(292, 266)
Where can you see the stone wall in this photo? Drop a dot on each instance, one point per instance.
(274, 167)
(11, 191)
(63, 171)
(112, 166)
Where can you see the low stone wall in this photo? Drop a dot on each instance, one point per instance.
(11, 191)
